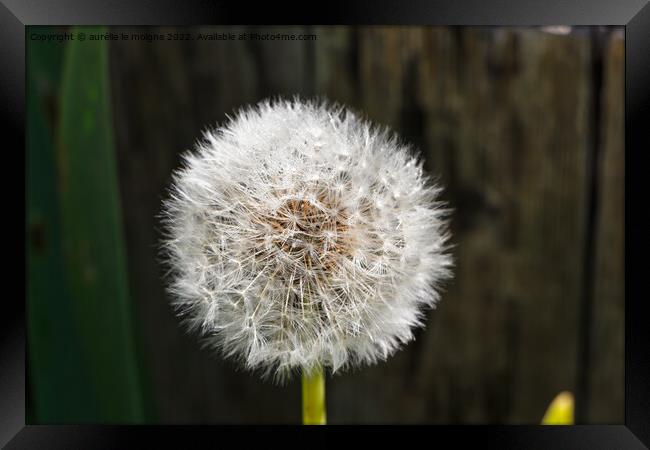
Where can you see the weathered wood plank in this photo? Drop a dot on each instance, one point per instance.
(500, 117)
(607, 346)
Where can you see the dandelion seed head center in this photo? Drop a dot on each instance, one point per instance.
(310, 232)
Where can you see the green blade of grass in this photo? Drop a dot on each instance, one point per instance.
(91, 226)
(59, 387)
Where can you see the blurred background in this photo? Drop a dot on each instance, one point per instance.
(523, 126)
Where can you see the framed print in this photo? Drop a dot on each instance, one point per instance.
(399, 215)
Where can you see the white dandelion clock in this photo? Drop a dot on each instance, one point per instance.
(300, 236)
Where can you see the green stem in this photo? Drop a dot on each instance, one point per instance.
(313, 397)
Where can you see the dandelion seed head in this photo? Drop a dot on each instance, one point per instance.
(298, 234)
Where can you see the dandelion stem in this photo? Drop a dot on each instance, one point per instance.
(313, 397)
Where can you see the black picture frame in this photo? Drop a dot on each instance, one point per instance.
(634, 15)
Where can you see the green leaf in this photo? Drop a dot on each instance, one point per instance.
(60, 389)
(83, 301)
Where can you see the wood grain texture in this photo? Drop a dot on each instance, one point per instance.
(607, 358)
(502, 119)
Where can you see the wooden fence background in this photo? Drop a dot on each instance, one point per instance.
(525, 130)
